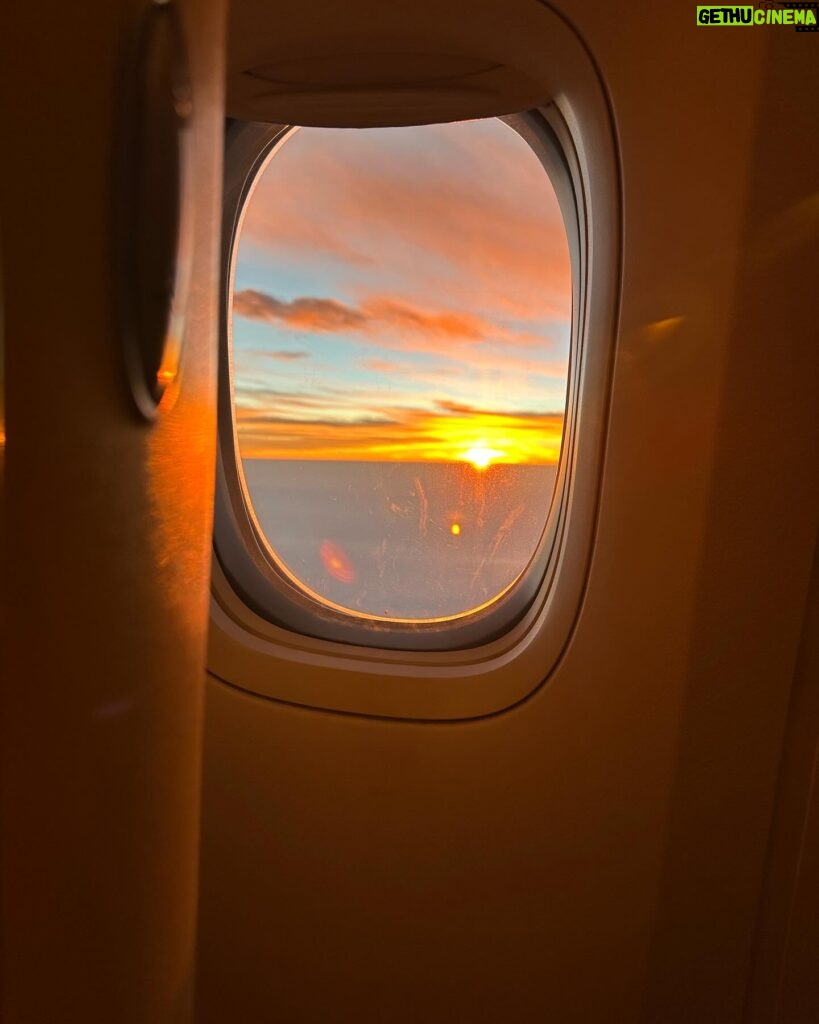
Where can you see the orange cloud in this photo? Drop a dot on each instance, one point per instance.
(306, 314)
(285, 356)
(409, 435)
(382, 366)
(498, 230)
(385, 318)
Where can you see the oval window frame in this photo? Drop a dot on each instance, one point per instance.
(268, 661)
(247, 556)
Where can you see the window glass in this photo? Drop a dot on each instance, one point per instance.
(400, 326)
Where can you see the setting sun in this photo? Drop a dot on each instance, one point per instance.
(481, 457)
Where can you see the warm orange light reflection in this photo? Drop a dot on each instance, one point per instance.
(455, 529)
(180, 465)
(659, 330)
(336, 562)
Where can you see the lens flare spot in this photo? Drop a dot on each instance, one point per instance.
(455, 529)
(336, 562)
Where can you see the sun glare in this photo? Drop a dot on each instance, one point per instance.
(481, 457)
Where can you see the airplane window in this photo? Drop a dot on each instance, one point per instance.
(399, 317)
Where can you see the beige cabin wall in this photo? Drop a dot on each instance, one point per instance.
(595, 853)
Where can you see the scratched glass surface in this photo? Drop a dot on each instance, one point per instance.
(400, 340)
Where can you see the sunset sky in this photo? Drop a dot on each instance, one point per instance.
(402, 293)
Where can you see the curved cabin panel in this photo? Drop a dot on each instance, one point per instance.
(595, 851)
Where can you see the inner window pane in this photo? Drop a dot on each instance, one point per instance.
(400, 338)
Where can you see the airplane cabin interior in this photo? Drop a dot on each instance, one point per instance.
(410, 492)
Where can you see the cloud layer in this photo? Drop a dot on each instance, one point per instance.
(466, 204)
(402, 294)
(447, 434)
